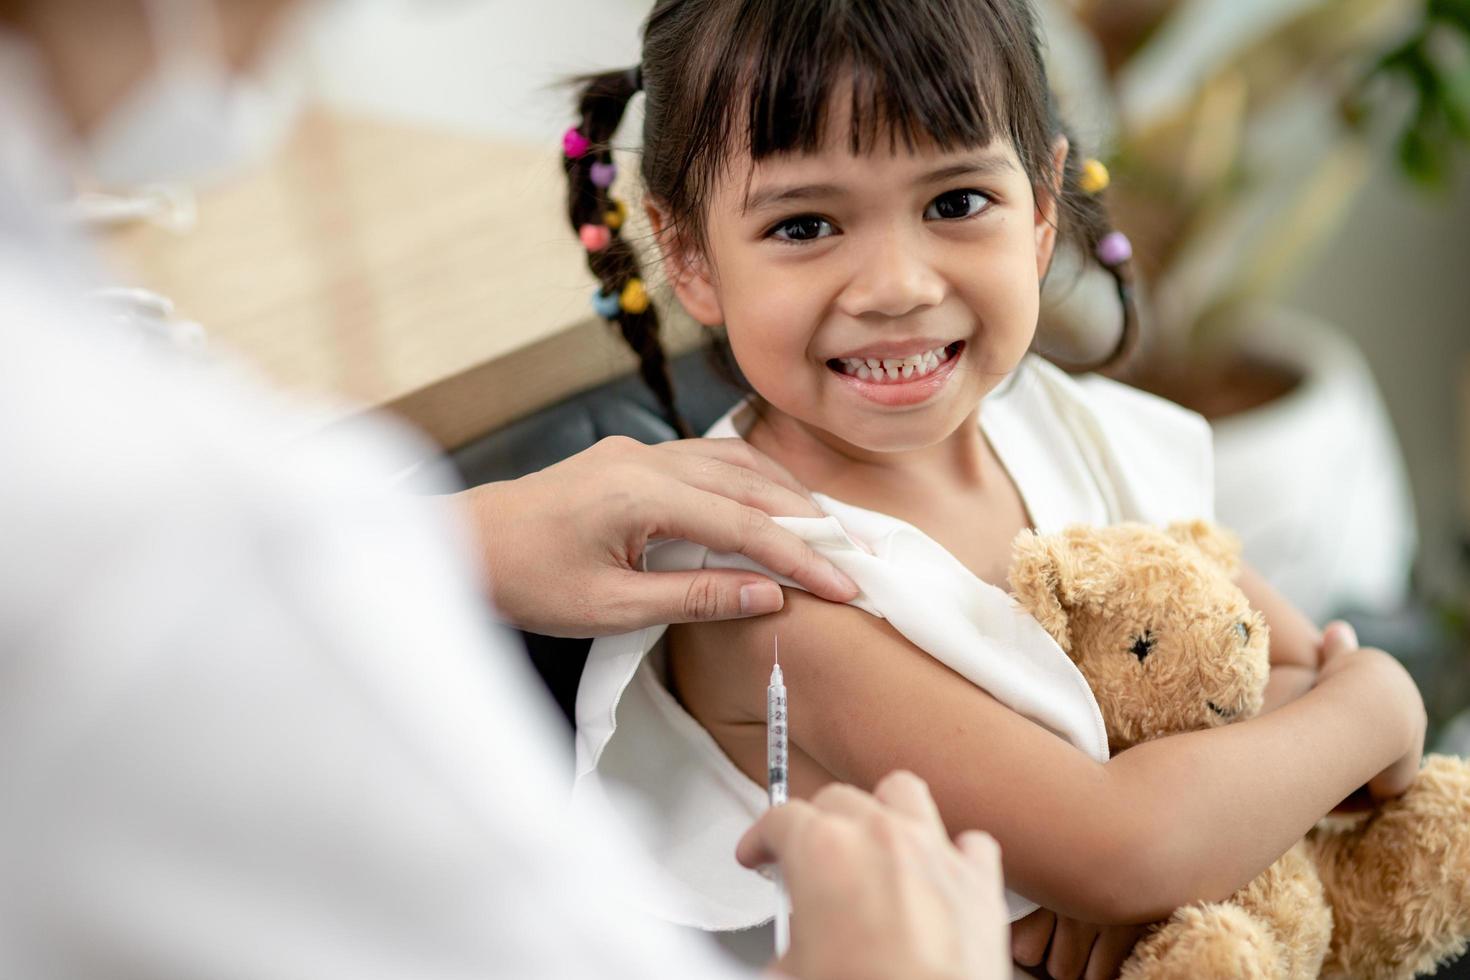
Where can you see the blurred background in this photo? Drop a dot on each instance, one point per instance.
(1292, 174)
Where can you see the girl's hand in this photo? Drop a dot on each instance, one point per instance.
(562, 548)
(1340, 652)
(1338, 638)
(1397, 778)
(1072, 950)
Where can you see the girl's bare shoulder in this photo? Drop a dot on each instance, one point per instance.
(843, 660)
(720, 670)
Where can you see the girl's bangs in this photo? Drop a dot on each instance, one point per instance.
(913, 72)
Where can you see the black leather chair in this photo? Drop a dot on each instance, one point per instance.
(621, 407)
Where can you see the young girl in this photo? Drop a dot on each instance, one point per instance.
(867, 197)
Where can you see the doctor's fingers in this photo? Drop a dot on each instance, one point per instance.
(902, 811)
(723, 525)
(742, 484)
(738, 452)
(698, 596)
(908, 794)
(772, 837)
(841, 817)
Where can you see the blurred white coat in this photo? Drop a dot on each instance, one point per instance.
(254, 718)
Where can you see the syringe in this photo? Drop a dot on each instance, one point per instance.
(776, 784)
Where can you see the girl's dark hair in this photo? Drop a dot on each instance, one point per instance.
(722, 75)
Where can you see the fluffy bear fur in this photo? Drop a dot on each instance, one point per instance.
(1169, 644)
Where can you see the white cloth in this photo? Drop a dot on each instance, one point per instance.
(254, 721)
(1086, 451)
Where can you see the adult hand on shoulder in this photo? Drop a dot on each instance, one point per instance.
(879, 890)
(563, 547)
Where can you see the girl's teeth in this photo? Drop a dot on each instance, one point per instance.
(895, 368)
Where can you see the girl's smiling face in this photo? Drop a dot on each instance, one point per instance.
(833, 272)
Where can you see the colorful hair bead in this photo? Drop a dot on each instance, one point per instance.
(615, 217)
(574, 144)
(635, 297)
(1114, 249)
(603, 174)
(606, 305)
(595, 238)
(1095, 177)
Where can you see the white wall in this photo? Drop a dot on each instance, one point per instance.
(484, 66)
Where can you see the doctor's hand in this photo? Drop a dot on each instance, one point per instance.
(879, 890)
(562, 548)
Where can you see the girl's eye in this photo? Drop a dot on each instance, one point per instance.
(806, 228)
(954, 205)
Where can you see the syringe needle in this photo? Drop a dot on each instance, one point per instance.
(776, 763)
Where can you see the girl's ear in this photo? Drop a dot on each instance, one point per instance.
(688, 270)
(1048, 208)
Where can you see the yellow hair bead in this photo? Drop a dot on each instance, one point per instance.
(635, 297)
(614, 219)
(1094, 176)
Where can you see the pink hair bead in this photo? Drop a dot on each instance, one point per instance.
(574, 144)
(1114, 249)
(603, 174)
(595, 238)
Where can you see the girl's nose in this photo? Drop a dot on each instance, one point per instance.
(892, 278)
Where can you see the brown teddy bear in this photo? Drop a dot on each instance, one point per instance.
(1169, 644)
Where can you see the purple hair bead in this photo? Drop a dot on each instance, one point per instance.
(1114, 249)
(603, 174)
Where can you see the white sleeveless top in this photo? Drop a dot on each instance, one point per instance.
(1080, 450)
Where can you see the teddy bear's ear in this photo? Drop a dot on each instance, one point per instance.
(1219, 545)
(1036, 582)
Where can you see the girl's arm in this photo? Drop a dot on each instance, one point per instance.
(1295, 640)
(1187, 818)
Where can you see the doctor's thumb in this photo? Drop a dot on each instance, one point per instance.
(704, 595)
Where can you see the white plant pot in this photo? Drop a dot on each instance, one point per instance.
(1314, 482)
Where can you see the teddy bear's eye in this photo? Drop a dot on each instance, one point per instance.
(1244, 631)
(1144, 645)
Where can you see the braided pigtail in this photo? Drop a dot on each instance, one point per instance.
(1086, 226)
(599, 220)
